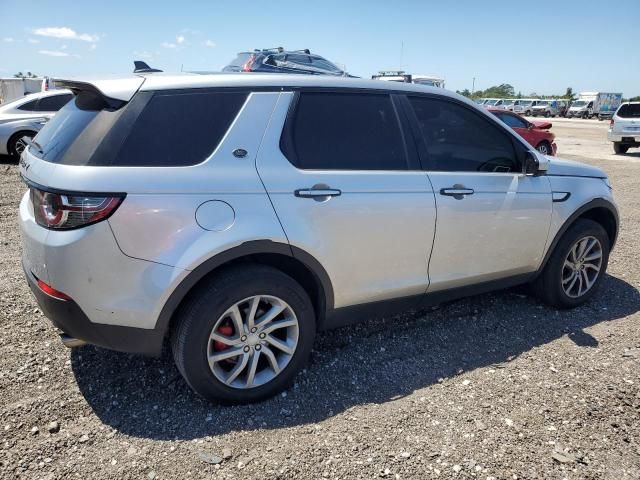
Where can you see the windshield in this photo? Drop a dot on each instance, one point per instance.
(541, 104)
(525, 103)
(507, 102)
(579, 103)
(491, 102)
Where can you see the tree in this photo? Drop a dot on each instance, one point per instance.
(23, 75)
(465, 92)
(569, 94)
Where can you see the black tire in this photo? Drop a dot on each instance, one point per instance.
(12, 145)
(619, 148)
(548, 285)
(547, 114)
(204, 306)
(544, 144)
(528, 113)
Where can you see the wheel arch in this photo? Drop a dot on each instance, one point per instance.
(293, 261)
(599, 210)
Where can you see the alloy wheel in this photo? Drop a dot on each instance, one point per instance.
(582, 267)
(253, 341)
(542, 148)
(21, 145)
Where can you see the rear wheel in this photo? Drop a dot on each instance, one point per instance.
(17, 143)
(547, 114)
(244, 334)
(575, 269)
(619, 148)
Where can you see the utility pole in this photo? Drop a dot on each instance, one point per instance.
(473, 85)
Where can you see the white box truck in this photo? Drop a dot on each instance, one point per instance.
(595, 104)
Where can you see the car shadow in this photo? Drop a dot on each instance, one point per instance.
(8, 160)
(373, 362)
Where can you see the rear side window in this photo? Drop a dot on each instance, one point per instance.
(345, 131)
(29, 106)
(460, 140)
(179, 129)
(53, 103)
(629, 110)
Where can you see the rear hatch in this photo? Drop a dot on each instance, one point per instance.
(627, 119)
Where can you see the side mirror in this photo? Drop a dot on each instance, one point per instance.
(535, 164)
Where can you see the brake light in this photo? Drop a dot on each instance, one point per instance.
(52, 292)
(66, 211)
(249, 63)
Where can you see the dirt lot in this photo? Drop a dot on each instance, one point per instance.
(488, 387)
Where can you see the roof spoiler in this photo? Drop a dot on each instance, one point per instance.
(143, 67)
(77, 87)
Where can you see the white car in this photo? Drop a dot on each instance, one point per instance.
(624, 129)
(23, 118)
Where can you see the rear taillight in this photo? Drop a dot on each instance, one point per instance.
(611, 123)
(249, 63)
(52, 292)
(65, 211)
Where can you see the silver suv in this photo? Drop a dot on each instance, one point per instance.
(624, 128)
(236, 215)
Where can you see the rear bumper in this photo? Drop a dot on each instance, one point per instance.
(67, 316)
(630, 138)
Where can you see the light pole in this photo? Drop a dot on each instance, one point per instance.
(473, 85)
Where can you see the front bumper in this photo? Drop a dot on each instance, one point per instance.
(67, 316)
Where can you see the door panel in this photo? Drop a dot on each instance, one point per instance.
(374, 231)
(498, 231)
(493, 221)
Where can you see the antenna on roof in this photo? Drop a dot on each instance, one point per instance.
(142, 67)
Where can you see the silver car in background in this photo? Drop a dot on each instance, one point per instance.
(23, 118)
(624, 129)
(236, 215)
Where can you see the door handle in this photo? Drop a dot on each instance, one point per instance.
(317, 193)
(457, 191)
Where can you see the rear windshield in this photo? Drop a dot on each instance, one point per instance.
(171, 128)
(629, 110)
(237, 63)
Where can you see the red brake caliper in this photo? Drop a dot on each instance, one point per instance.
(227, 331)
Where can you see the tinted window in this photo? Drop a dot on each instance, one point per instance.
(345, 131)
(180, 129)
(65, 127)
(53, 103)
(298, 58)
(459, 139)
(629, 110)
(323, 64)
(511, 120)
(29, 106)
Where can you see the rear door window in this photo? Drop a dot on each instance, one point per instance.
(460, 140)
(345, 131)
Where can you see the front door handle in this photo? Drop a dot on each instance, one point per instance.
(319, 192)
(457, 191)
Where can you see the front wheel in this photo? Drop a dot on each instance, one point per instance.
(575, 269)
(619, 148)
(244, 334)
(544, 148)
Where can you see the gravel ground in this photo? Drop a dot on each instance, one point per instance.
(491, 387)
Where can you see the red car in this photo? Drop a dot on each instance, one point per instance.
(536, 133)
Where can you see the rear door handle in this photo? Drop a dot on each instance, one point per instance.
(456, 192)
(317, 193)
